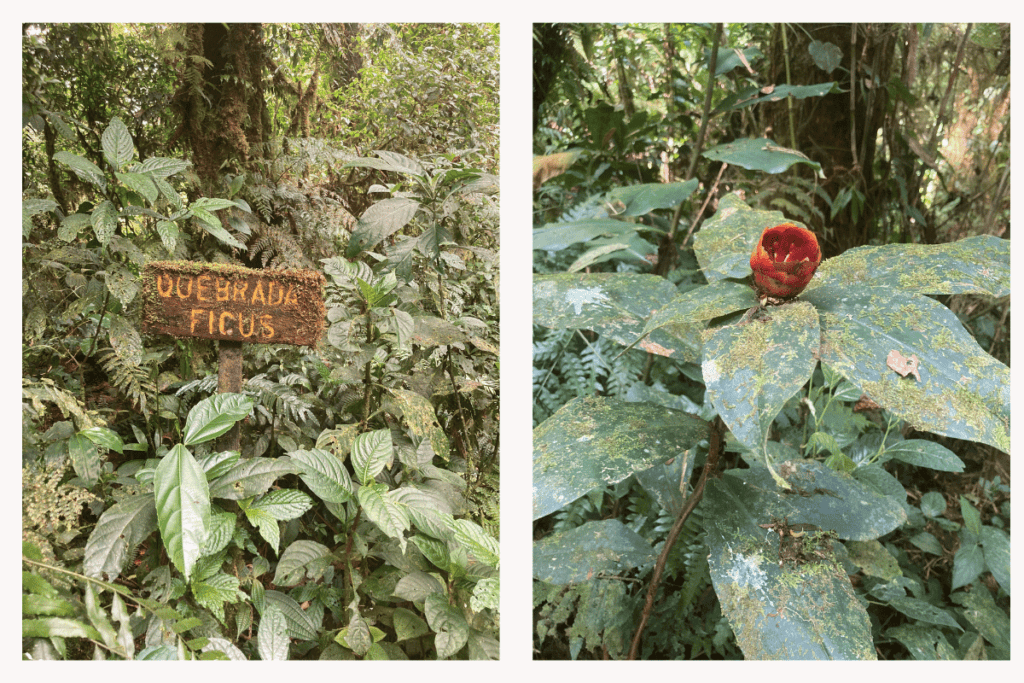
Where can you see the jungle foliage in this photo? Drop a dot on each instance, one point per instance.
(721, 475)
(359, 519)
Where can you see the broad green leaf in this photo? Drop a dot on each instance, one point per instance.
(615, 306)
(104, 221)
(751, 369)
(208, 204)
(631, 246)
(933, 504)
(971, 516)
(266, 524)
(478, 542)
(925, 643)
(963, 392)
(324, 474)
(161, 167)
(434, 550)
(755, 95)
(182, 507)
(593, 441)
(83, 168)
(122, 283)
(118, 148)
(486, 595)
(759, 154)
(558, 236)
(214, 416)
(357, 636)
(827, 56)
(72, 224)
(595, 548)
(408, 625)
(57, 627)
(224, 647)
(85, 459)
(169, 193)
(380, 221)
(729, 58)
(302, 559)
(641, 199)
(213, 592)
(448, 623)
(211, 225)
(428, 510)
(46, 606)
(140, 183)
(300, 625)
(724, 243)
(968, 564)
(168, 231)
(250, 477)
(995, 544)
(421, 418)
(927, 542)
(983, 614)
(371, 452)
(389, 161)
(416, 586)
(974, 265)
(272, 640)
(873, 559)
(120, 529)
(125, 340)
(719, 298)
(382, 508)
(780, 607)
(220, 533)
(925, 453)
(98, 618)
(283, 504)
(920, 610)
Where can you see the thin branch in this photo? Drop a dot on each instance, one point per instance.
(712, 65)
(714, 450)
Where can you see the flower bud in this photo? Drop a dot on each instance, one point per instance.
(784, 260)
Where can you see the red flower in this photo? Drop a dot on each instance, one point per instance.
(784, 260)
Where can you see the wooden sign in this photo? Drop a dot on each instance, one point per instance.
(231, 303)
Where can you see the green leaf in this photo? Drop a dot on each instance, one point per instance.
(927, 542)
(614, 305)
(974, 265)
(388, 161)
(724, 243)
(168, 231)
(972, 518)
(210, 224)
(968, 564)
(101, 436)
(324, 474)
(704, 303)
(755, 95)
(751, 369)
(874, 559)
(122, 283)
(594, 440)
(125, 340)
(118, 148)
(272, 640)
(302, 559)
(558, 236)
(983, 614)
(478, 542)
(924, 611)
(447, 622)
(182, 507)
(595, 548)
(995, 544)
(779, 607)
(408, 625)
(416, 586)
(161, 167)
(827, 56)
(214, 591)
(266, 524)
(641, 199)
(83, 168)
(120, 529)
(250, 477)
(57, 627)
(85, 459)
(759, 154)
(214, 416)
(357, 635)
(104, 221)
(371, 452)
(208, 204)
(933, 504)
(925, 453)
(140, 183)
(72, 224)
(963, 392)
(300, 624)
(382, 508)
(283, 504)
(380, 221)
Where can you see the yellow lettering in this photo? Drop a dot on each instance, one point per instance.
(211, 322)
(223, 290)
(258, 292)
(266, 330)
(223, 315)
(252, 325)
(200, 311)
(160, 289)
(270, 294)
(200, 286)
(290, 298)
(189, 292)
(240, 290)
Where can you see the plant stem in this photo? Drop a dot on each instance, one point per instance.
(789, 81)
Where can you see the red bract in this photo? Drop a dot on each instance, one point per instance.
(784, 260)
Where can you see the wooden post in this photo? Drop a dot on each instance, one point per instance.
(229, 381)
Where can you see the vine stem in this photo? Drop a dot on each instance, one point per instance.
(714, 450)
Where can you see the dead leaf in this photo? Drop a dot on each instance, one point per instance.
(902, 364)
